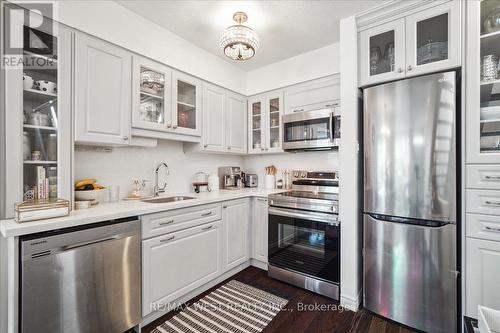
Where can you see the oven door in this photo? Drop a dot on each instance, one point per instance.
(311, 130)
(305, 242)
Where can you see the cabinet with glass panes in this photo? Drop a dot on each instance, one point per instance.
(483, 82)
(38, 113)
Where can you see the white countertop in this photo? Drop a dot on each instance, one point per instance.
(109, 211)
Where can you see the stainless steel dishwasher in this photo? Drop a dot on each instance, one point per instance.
(82, 279)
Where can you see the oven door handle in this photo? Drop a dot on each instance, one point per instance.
(331, 219)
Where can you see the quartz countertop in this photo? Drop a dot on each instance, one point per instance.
(109, 211)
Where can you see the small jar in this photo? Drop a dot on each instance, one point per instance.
(36, 156)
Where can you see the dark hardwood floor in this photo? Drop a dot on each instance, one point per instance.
(300, 314)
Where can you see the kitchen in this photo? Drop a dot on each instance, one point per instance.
(141, 107)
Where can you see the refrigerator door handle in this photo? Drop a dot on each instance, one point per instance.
(405, 220)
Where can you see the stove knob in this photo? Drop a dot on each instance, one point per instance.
(296, 174)
(333, 209)
(303, 174)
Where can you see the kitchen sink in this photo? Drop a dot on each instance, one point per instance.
(167, 199)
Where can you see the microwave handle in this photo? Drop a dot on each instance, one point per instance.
(332, 127)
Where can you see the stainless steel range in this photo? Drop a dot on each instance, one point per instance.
(304, 233)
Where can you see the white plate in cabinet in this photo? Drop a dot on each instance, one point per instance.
(102, 92)
(235, 218)
(483, 176)
(482, 275)
(165, 222)
(177, 263)
(483, 202)
(483, 226)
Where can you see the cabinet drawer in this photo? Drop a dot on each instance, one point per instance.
(165, 222)
(483, 226)
(483, 176)
(483, 202)
(175, 264)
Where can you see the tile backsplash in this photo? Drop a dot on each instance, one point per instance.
(122, 165)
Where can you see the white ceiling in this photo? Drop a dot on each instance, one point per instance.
(285, 28)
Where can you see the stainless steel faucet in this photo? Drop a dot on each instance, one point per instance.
(157, 189)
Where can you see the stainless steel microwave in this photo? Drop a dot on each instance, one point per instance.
(312, 130)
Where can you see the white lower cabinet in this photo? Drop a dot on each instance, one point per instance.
(177, 263)
(259, 229)
(235, 246)
(482, 275)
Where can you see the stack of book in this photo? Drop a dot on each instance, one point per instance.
(42, 183)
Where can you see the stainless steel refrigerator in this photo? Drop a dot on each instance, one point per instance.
(410, 202)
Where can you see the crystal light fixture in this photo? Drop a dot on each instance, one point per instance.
(239, 42)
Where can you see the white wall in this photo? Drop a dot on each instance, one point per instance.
(323, 161)
(350, 171)
(303, 67)
(122, 165)
(114, 23)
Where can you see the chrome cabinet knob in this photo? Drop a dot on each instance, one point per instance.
(168, 126)
(174, 127)
(228, 148)
(205, 146)
(400, 70)
(410, 68)
(125, 138)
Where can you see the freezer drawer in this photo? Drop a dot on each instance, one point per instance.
(410, 274)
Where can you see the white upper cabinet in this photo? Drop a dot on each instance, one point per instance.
(214, 111)
(264, 123)
(433, 39)
(382, 51)
(424, 41)
(102, 92)
(187, 105)
(151, 95)
(236, 123)
(482, 84)
(312, 95)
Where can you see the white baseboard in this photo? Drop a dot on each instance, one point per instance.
(350, 302)
(258, 264)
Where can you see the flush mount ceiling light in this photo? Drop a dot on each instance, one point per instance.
(239, 42)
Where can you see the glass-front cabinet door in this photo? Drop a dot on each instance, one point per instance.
(382, 53)
(433, 39)
(186, 107)
(38, 115)
(151, 108)
(256, 133)
(483, 82)
(273, 128)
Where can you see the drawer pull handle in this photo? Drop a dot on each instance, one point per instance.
(492, 177)
(207, 214)
(263, 200)
(492, 203)
(298, 110)
(167, 222)
(224, 206)
(207, 228)
(167, 239)
(492, 229)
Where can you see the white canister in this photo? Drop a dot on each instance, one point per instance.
(270, 181)
(213, 182)
(28, 81)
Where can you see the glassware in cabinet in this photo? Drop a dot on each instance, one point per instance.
(187, 104)
(256, 126)
(274, 123)
(489, 75)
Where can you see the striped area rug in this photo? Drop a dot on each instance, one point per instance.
(233, 307)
